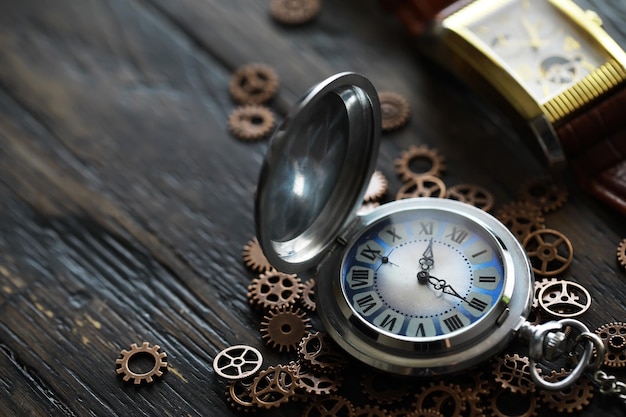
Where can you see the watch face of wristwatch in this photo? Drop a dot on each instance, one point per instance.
(539, 44)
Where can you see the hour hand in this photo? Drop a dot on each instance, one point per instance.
(427, 261)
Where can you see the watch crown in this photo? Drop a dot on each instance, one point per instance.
(594, 17)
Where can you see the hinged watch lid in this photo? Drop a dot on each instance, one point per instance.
(317, 170)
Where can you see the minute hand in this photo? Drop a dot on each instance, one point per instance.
(443, 286)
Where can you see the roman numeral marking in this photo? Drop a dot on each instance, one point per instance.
(453, 323)
(479, 305)
(487, 279)
(479, 253)
(366, 303)
(457, 235)
(388, 322)
(426, 228)
(370, 253)
(359, 278)
(394, 235)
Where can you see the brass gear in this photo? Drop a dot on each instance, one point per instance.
(422, 186)
(273, 386)
(425, 413)
(274, 289)
(308, 295)
(373, 411)
(550, 251)
(564, 299)
(238, 395)
(521, 217)
(613, 336)
(376, 188)
(394, 110)
(254, 258)
(512, 372)
(284, 328)
(294, 12)
(574, 398)
(253, 84)
(419, 154)
(621, 253)
(316, 383)
(443, 397)
(159, 366)
(471, 194)
(332, 406)
(544, 193)
(251, 122)
(319, 353)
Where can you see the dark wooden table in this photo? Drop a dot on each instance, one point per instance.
(125, 202)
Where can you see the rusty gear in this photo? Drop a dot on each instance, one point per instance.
(238, 395)
(521, 218)
(376, 188)
(253, 84)
(503, 403)
(574, 398)
(332, 406)
(550, 251)
(284, 328)
(621, 253)
(273, 386)
(251, 122)
(274, 289)
(319, 352)
(384, 388)
(123, 363)
(372, 411)
(544, 193)
(394, 110)
(254, 258)
(294, 12)
(409, 164)
(512, 372)
(443, 397)
(316, 383)
(308, 295)
(564, 299)
(422, 186)
(238, 362)
(471, 194)
(613, 336)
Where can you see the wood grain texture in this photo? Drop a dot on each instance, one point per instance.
(125, 202)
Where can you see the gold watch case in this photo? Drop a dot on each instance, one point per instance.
(475, 58)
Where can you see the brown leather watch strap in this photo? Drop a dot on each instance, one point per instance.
(595, 144)
(415, 14)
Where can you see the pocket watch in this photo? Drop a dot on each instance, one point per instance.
(547, 63)
(420, 286)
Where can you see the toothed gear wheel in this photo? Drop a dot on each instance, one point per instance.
(384, 388)
(251, 122)
(316, 383)
(621, 253)
(373, 411)
(613, 336)
(238, 395)
(274, 289)
(123, 363)
(539, 284)
(319, 352)
(376, 188)
(237, 362)
(424, 413)
(395, 110)
(544, 193)
(504, 403)
(521, 217)
(283, 329)
(422, 186)
(472, 194)
(253, 84)
(294, 12)
(550, 252)
(443, 397)
(273, 386)
(411, 162)
(308, 295)
(564, 299)
(254, 258)
(332, 406)
(574, 398)
(512, 372)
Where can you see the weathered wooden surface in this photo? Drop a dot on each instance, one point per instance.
(125, 202)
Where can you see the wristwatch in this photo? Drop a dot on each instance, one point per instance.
(548, 64)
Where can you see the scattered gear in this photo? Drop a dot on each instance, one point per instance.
(294, 12)
(284, 328)
(316, 383)
(394, 110)
(521, 217)
(564, 299)
(376, 188)
(512, 372)
(333, 406)
(319, 353)
(123, 363)
(550, 251)
(573, 398)
(471, 194)
(418, 161)
(539, 284)
(274, 289)
(238, 395)
(254, 258)
(422, 186)
(367, 208)
(308, 295)
(373, 411)
(251, 122)
(253, 84)
(424, 413)
(613, 336)
(504, 403)
(621, 253)
(544, 193)
(442, 397)
(238, 362)
(384, 388)
(273, 386)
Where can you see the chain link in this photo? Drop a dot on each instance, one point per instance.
(609, 385)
